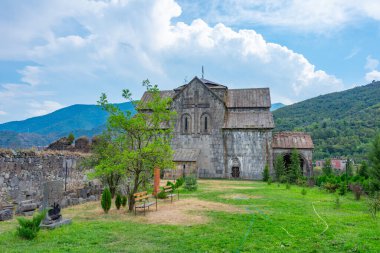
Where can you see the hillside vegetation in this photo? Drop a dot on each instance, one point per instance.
(340, 123)
(81, 120)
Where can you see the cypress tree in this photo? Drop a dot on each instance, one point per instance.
(106, 200)
(279, 167)
(118, 201)
(327, 168)
(295, 167)
(266, 173)
(374, 156)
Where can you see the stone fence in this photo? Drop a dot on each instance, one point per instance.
(23, 173)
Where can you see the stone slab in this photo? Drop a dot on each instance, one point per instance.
(6, 214)
(56, 224)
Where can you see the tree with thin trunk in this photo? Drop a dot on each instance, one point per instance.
(137, 144)
(295, 166)
(279, 167)
(374, 171)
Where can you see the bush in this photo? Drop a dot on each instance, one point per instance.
(342, 189)
(191, 183)
(168, 183)
(330, 187)
(373, 203)
(303, 192)
(28, 228)
(71, 138)
(124, 201)
(106, 200)
(179, 182)
(283, 179)
(357, 189)
(287, 186)
(118, 201)
(162, 195)
(337, 202)
(266, 173)
(269, 181)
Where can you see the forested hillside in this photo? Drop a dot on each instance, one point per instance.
(341, 123)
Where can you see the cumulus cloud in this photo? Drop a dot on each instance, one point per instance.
(128, 41)
(373, 75)
(371, 63)
(314, 16)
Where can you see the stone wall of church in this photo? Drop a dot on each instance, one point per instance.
(250, 150)
(196, 100)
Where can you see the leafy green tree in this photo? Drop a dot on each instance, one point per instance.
(266, 173)
(136, 145)
(279, 167)
(295, 166)
(374, 156)
(364, 169)
(124, 201)
(106, 200)
(349, 168)
(327, 168)
(71, 138)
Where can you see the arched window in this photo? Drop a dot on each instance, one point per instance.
(205, 123)
(186, 124)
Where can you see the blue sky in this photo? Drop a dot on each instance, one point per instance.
(58, 53)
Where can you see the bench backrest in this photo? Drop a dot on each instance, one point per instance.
(168, 188)
(139, 196)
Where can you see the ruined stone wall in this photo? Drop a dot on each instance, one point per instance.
(23, 173)
(250, 150)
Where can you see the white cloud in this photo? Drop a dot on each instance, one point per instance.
(129, 41)
(3, 113)
(373, 75)
(371, 63)
(44, 107)
(314, 16)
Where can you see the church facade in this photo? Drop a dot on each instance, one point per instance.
(224, 133)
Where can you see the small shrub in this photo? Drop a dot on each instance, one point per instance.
(269, 181)
(303, 192)
(71, 138)
(118, 201)
(342, 189)
(106, 200)
(337, 202)
(283, 179)
(287, 185)
(373, 203)
(357, 189)
(179, 182)
(124, 201)
(191, 183)
(162, 195)
(168, 183)
(28, 228)
(330, 187)
(266, 173)
(301, 181)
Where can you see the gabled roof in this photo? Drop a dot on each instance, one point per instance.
(147, 97)
(248, 98)
(249, 120)
(186, 155)
(291, 140)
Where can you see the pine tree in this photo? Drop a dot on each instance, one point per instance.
(279, 167)
(374, 156)
(118, 201)
(295, 167)
(363, 169)
(266, 173)
(106, 200)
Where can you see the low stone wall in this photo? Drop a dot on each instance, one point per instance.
(23, 173)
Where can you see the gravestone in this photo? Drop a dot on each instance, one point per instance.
(52, 198)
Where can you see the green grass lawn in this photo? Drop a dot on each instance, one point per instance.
(271, 219)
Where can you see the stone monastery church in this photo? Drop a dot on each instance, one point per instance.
(227, 133)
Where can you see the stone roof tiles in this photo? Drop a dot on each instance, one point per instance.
(289, 140)
(249, 120)
(248, 98)
(147, 97)
(186, 155)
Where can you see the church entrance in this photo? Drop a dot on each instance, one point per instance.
(287, 162)
(235, 172)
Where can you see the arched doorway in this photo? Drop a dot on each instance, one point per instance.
(287, 162)
(235, 170)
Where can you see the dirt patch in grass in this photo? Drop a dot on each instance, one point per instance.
(219, 185)
(241, 196)
(181, 212)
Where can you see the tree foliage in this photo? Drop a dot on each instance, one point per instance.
(327, 168)
(374, 156)
(106, 200)
(279, 167)
(118, 201)
(295, 166)
(28, 228)
(71, 138)
(266, 173)
(135, 145)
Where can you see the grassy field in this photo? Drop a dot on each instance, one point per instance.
(222, 216)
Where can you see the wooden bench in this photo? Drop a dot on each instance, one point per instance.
(169, 190)
(142, 201)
